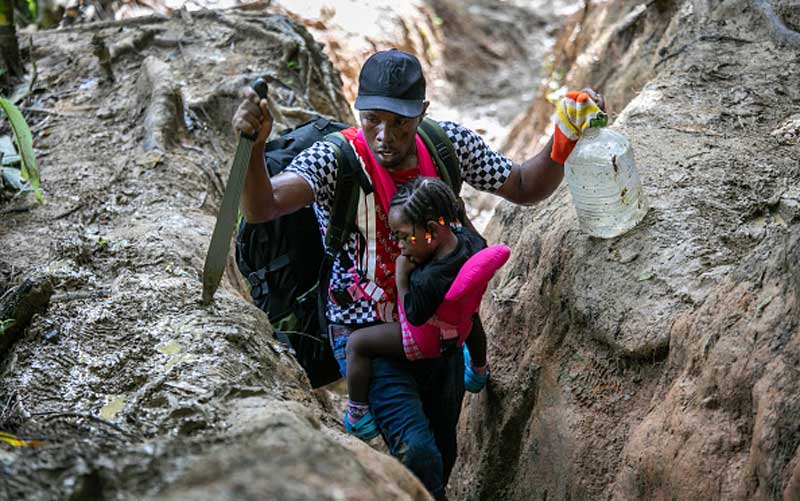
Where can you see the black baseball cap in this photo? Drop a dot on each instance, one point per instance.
(391, 80)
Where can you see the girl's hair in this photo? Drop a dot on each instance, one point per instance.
(426, 199)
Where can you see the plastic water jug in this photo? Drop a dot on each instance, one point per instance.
(604, 183)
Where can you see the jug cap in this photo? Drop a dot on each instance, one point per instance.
(599, 120)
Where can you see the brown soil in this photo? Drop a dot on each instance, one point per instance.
(662, 364)
(659, 365)
(130, 384)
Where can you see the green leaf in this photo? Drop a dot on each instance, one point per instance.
(5, 325)
(24, 140)
(32, 8)
(293, 65)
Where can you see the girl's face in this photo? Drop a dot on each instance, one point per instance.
(411, 240)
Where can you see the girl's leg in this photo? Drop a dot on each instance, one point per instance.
(476, 343)
(382, 340)
(476, 370)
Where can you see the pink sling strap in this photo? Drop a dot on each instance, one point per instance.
(453, 318)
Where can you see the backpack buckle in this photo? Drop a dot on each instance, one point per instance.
(258, 283)
(322, 124)
(443, 152)
(341, 297)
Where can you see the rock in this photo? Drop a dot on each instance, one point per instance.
(19, 305)
(701, 329)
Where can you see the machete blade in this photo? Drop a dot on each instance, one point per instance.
(228, 211)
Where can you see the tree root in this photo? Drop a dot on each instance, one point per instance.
(20, 304)
(781, 34)
(100, 25)
(163, 120)
(134, 42)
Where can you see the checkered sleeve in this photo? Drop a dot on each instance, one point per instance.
(317, 166)
(482, 167)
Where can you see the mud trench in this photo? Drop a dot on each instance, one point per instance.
(660, 365)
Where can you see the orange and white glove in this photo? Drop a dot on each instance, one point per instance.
(574, 113)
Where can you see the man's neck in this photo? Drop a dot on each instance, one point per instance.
(408, 163)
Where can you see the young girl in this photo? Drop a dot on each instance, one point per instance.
(423, 219)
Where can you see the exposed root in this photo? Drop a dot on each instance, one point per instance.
(134, 42)
(164, 115)
(60, 415)
(103, 55)
(133, 21)
(20, 304)
(779, 32)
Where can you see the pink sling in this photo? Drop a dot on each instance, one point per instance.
(453, 318)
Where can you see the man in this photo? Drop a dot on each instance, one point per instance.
(416, 404)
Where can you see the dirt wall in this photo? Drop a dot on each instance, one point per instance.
(662, 364)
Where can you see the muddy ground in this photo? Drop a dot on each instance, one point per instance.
(126, 380)
(660, 365)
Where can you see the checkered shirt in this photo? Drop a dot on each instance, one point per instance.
(481, 167)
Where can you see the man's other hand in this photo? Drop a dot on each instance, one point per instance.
(252, 117)
(596, 97)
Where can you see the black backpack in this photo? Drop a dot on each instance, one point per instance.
(284, 259)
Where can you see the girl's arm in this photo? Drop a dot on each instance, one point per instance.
(403, 269)
(421, 295)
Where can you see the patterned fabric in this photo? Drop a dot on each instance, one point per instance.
(574, 113)
(410, 346)
(374, 273)
(481, 167)
(450, 326)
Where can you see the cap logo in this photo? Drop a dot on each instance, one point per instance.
(391, 74)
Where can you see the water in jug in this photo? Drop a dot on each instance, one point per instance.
(604, 183)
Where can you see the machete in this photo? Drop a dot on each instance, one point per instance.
(228, 210)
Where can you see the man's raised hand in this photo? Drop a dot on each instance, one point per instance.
(596, 97)
(252, 117)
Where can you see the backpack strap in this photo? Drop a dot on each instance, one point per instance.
(349, 178)
(443, 152)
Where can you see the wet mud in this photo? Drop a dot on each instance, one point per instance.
(125, 384)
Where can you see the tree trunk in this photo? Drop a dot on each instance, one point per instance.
(10, 61)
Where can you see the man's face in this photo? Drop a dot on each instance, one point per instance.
(390, 136)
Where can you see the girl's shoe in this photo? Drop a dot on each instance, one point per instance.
(364, 428)
(473, 383)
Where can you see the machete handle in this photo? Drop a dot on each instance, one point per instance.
(260, 86)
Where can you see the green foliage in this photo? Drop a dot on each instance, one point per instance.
(31, 8)
(24, 140)
(5, 325)
(25, 11)
(293, 65)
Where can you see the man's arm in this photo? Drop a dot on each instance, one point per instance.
(539, 176)
(534, 180)
(264, 199)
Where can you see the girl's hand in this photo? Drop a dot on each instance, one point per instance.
(403, 268)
